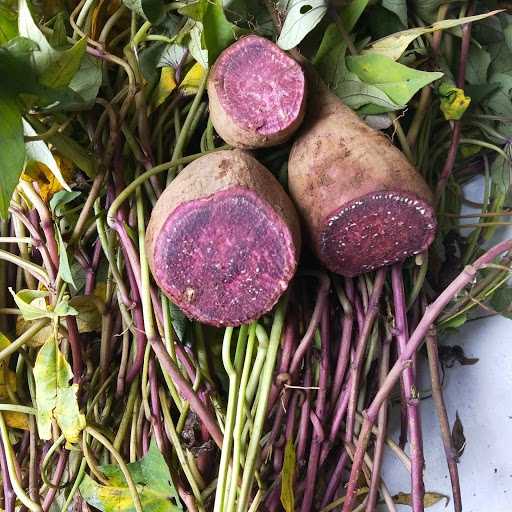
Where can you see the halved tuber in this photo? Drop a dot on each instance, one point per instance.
(364, 204)
(256, 94)
(224, 239)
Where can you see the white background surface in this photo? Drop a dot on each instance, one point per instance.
(482, 395)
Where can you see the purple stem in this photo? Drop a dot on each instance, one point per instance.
(307, 340)
(76, 348)
(409, 386)
(335, 480)
(90, 280)
(302, 435)
(373, 308)
(437, 395)
(381, 437)
(9, 496)
(320, 410)
(57, 476)
(156, 418)
(415, 342)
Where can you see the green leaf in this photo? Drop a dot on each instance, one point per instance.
(55, 396)
(152, 478)
(330, 63)
(352, 12)
(8, 24)
(394, 46)
(152, 10)
(399, 7)
(12, 150)
(63, 68)
(218, 32)
(302, 17)
(64, 308)
(501, 171)
(501, 301)
(287, 477)
(32, 304)
(453, 101)
(38, 151)
(196, 46)
(64, 268)
(28, 28)
(62, 198)
(398, 82)
(172, 55)
(87, 81)
(58, 39)
(477, 65)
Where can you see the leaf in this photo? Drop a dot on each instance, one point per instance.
(152, 478)
(456, 322)
(302, 17)
(15, 419)
(152, 10)
(64, 67)
(218, 32)
(166, 85)
(195, 45)
(397, 81)
(501, 301)
(58, 39)
(62, 198)
(449, 355)
(458, 438)
(64, 308)
(453, 101)
(8, 24)
(38, 151)
(192, 79)
(330, 63)
(27, 27)
(4, 371)
(287, 477)
(12, 150)
(399, 7)
(64, 268)
(172, 56)
(32, 304)
(477, 65)
(501, 171)
(394, 46)
(429, 500)
(352, 12)
(55, 397)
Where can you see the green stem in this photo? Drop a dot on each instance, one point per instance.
(24, 338)
(122, 466)
(261, 411)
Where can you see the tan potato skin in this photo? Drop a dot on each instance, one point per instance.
(215, 172)
(237, 135)
(338, 158)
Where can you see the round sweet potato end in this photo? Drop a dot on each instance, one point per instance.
(224, 259)
(257, 94)
(376, 230)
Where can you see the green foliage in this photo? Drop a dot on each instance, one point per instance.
(287, 477)
(152, 478)
(12, 150)
(55, 396)
(152, 10)
(398, 7)
(8, 24)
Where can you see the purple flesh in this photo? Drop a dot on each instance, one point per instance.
(259, 86)
(224, 259)
(376, 230)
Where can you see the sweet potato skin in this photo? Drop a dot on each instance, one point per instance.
(337, 159)
(213, 176)
(233, 130)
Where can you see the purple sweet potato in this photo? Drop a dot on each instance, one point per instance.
(257, 94)
(364, 204)
(224, 239)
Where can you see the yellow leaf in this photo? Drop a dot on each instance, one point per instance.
(287, 476)
(192, 79)
(429, 500)
(5, 374)
(453, 102)
(16, 420)
(47, 182)
(467, 150)
(166, 85)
